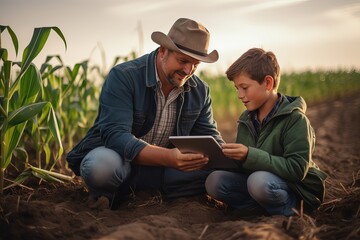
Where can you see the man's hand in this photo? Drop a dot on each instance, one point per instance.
(158, 156)
(235, 151)
(187, 161)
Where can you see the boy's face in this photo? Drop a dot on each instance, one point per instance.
(252, 94)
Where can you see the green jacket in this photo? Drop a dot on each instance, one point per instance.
(284, 147)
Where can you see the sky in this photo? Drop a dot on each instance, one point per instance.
(304, 34)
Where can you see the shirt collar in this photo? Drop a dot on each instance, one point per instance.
(253, 114)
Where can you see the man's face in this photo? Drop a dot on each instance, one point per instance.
(176, 67)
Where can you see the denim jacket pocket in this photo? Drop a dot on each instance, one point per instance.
(187, 121)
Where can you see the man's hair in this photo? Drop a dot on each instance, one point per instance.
(257, 63)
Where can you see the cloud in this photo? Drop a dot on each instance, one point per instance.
(346, 11)
(139, 7)
(258, 5)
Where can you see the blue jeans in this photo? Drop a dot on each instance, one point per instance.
(262, 190)
(104, 171)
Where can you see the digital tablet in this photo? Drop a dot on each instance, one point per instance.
(206, 145)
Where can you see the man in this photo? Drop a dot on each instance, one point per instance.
(142, 103)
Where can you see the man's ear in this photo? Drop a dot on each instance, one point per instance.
(161, 51)
(269, 81)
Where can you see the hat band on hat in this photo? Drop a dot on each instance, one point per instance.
(191, 50)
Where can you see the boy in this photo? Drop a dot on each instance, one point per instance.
(274, 145)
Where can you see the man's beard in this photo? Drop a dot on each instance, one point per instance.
(173, 82)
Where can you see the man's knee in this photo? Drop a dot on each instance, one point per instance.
(103, 166)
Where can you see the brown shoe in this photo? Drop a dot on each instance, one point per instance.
(99, 203)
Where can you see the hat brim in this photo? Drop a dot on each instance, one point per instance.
(163, 40)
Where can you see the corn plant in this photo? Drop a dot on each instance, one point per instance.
(73, 96)
(18, 100)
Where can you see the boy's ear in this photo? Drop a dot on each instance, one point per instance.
(269, 82)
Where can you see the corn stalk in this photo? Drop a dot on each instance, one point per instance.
(18, 100)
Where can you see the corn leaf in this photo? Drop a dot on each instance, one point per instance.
(51, 71)
(4, 84)
(56, 175)
(12, 138)
(47, 152)
(30, 86)
(73, 73)
(53, 94)
(46, 177)
(58, 31)
(3, 54)
(25, 113)
(23, 176)
(12, 35)
(36, 44)
(49, 58)
(5, 78)
(54, 129)
(24, 155)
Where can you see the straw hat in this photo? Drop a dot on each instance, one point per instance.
(188, 37)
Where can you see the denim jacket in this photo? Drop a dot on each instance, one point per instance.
(128, 106)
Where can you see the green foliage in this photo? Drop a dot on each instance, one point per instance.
(19, 97)
(224, 97)
(319, 86)
(42, 109)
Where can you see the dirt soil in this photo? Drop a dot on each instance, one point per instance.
(60, 211)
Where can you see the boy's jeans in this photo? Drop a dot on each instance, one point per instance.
(259, 190)
(104, 171)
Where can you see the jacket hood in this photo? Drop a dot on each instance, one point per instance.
(292, 103)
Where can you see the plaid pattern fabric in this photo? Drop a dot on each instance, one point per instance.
(165, 119)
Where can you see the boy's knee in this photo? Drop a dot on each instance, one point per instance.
(268, 188)
(214, 183)
(259, 186)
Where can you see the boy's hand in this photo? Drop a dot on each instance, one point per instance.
(235, 151)
(188, 161)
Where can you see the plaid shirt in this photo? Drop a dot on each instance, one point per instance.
(255, 121)
(165, 120)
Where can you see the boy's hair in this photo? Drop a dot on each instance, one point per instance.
(257, 63)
